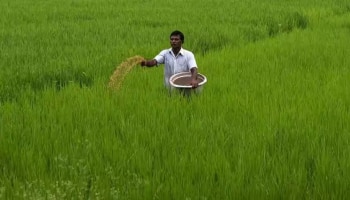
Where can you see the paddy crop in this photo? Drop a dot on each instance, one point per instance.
(271, 123)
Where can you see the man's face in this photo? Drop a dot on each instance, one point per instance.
(175, 41)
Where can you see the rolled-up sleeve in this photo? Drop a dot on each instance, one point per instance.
(191, 61)
(160, 58)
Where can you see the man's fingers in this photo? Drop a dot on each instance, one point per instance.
(143, 63)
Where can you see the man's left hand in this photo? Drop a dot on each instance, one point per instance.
(194, 83)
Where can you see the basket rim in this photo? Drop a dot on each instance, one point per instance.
(185, 74)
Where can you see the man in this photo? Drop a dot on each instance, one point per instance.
(175, 60)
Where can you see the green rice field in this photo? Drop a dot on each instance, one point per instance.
(272, 122)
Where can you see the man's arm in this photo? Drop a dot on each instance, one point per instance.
(194, 81)
(148, 63)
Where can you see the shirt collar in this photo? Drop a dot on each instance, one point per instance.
(181, 52)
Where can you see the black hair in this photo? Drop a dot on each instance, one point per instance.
(179, 33)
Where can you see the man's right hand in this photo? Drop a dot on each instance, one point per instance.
(143, 63)
(148, 63)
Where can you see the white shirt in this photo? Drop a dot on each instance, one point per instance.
(183, 62)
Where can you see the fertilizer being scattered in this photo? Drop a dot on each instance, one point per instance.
(115, 81)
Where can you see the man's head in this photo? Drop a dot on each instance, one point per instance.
(179, 34)
(176, 39)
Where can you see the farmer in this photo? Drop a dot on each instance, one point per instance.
(176, 60)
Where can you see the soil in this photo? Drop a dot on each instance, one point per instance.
(186, 80)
